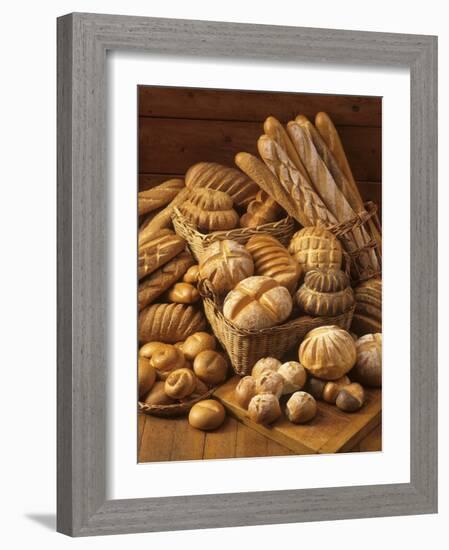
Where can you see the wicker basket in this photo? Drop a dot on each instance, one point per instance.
(359, 260)
(245, 347)
(198, 242)
(174, 410)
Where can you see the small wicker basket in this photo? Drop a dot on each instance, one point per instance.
(246, 347)
(174, 410)
(198, 242)
(360, 260)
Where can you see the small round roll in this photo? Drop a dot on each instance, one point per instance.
(207, 415)
(301, 408)
(210, 367)
(183, 293)
(245, 391)
(294, 375)
(180, 383)
(198, 342)
(264, 408)
(264, 364)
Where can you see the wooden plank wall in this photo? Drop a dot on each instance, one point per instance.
(181, 126)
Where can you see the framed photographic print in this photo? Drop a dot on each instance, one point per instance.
(247, 233)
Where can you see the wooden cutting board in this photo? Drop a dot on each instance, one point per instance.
(331, 431)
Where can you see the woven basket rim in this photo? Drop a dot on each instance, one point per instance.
(207, 294)
(178, 216)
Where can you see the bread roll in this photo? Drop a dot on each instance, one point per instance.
(169, 323)
(157, 395)
(325, 292)
(146, 376)
(270, 382)
(327, 352)
(263, 209)
(301, 408)
(207, 415)
(294, 375)
(245, 391)
(191, 275)
(256, 303)
(224, 264)
(211, 175)
(264, 408)
(183, 293)
(315, 387)
(198, 342)
(180, 383)
(368, 368)
(166, 360)
(210, 210)
(150, 348)
(332, 389)
(264, 364)
(163, 278)
(210, 367)
(271, 259)
(158, 196)
(316, 247)
(351, 398)
(157, 251)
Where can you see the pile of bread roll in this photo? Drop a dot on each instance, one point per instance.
(333, 367)
(169, 374)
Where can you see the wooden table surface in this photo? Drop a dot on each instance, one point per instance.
(161, 439)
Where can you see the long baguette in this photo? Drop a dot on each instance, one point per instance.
(158, 196)
(266, 180)
(162, 279)
(308, 203)
(328, 132)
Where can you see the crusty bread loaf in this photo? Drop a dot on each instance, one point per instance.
(263, 209)
(239, 186)
(158, 196)
(157, 251)
(257, 303)
(368, 310)
(169, 323)
(316, 247)
(271, 259)
(224, 264)
(210, 210)
(163, 278)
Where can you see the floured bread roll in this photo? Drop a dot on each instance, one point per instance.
(264, 364)
(264, 408)
(368, 368)
(325, 292)
(294, 375)
(316, 247)
(224, 264)
(210, 210)
(270, 382)
(328, 352)
(258, 302)
(301, 408)
(245, 391)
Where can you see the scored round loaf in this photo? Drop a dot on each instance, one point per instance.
(180, 383)
(169, 323)
(270, 382)
(368, 368)
(210, 210)
(264, 364)
(264, 408)
(328, 352)
(224, 264)
(210, 367)
(325, 292)
(235, 183)
(196, 343)
(294, 375)
(368, 307)
(301, 407)
(271, 259)
(316, 247)
(258, 302)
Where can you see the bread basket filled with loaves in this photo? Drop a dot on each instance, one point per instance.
(223, 203)
(243, 263)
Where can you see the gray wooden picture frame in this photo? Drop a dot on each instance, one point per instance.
(83, 40)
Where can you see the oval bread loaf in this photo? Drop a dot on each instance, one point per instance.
(271, 259)
(169, 323)
(157, 251)
(239, 186)
(257, 302)
(210, 210)
(224, 264)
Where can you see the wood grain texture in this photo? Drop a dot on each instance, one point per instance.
(330, 431)
(173, 145)
(251, 106)
(83, 39)
(234, 439)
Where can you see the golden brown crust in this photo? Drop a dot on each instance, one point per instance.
(169, 323)
(158, 250)
(210, 210)
(158, 196)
